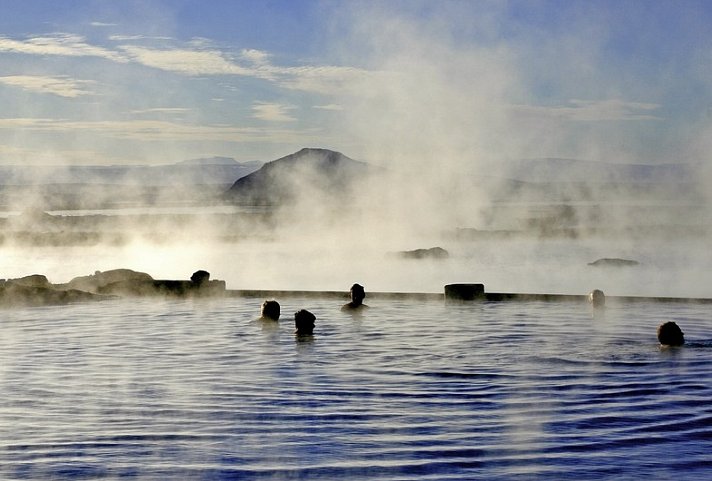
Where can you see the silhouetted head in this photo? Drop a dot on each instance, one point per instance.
(358, 294)
(670, 334)
(200, 277)
(304, 322)
(270, 310)
(597, 298)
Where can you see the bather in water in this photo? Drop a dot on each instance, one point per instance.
(358, 294)
(597, 298)
(304, 323)
(670, 334)
(270, 311)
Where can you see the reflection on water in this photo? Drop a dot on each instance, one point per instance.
(199, 390)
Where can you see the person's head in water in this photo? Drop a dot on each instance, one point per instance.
(670, 334)
(358, 294)
(304, 323)
(597, 298)
(270, 310)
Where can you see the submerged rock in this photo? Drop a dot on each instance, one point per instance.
(613, 262)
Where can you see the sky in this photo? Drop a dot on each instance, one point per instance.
(413, 83)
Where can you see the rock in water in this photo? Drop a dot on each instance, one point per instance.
(432, 253)
(613, 262)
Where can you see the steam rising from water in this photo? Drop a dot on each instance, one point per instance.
(443, 117)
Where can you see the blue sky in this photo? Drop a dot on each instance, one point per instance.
(107, 82)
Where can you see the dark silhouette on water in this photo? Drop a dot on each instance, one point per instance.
(431, 253)
(670, 334)
(613, 262)
(597, 299)
(358, 294)
(270, 311)
(304, 323)
(200, 278)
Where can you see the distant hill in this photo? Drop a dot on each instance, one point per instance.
(218, 161)
(213, 170)
(306, 172)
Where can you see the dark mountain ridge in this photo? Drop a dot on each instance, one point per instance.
(309, 171)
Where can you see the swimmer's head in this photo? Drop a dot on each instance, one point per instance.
(304, 322)
(670, 334)
(270, 310)
(597, 298)
(358, 293)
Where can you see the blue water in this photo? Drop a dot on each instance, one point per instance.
(412, 391)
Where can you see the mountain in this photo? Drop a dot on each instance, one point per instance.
(219, 161)
(306, 172)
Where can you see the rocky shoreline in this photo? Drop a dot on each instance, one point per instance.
(37, 290)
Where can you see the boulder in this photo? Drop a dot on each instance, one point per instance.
(95, 283)
(464, 292)
(34, 280)
(199, 285)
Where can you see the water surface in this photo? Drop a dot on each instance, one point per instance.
(199, 390)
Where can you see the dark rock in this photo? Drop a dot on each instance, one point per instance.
(34, 280)
(100, 280)
(464, 292)
(199, 285)
(432, 253)
(613, 262)
(18, 295)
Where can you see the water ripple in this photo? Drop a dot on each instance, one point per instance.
(198, 390)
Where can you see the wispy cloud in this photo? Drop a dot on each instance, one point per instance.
(60, 44)
(593, 110)
(256, 56)
(161, 110)
(102, 24)
(272, 112)
(196, 58)
(334, 107)
(186, 61)
(130, 38)
(62, 86)
(159, 130)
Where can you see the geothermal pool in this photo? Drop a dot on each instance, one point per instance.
(155, 390)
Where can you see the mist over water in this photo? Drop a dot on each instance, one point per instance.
(446, 120)
(522, 149)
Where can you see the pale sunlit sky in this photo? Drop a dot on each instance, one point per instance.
(125, 82)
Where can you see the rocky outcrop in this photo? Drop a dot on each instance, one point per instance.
(431, 253)
(99, 280)
(34, 280)
(613, 262)
(36, 290)
(17, 295)
(199, 285)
